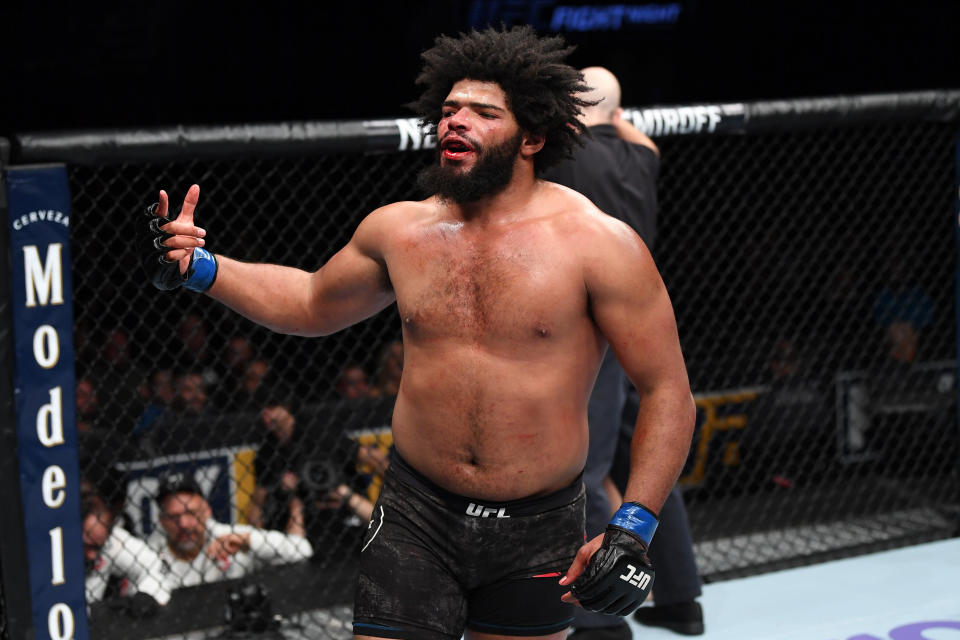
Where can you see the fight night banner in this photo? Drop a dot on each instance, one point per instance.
(44, 399)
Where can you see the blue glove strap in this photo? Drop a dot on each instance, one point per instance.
(637, 520)
(203, 271)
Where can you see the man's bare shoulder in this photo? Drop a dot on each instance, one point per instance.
(385, 223)
(586, 222)
(403, 212)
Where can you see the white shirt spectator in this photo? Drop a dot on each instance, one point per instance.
(265, 548)
(128, 557)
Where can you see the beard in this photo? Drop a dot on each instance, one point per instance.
(489, 175)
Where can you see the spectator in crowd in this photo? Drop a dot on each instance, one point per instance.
(191, 394)
(275, 499)
(195, 353)
(300, 476)
(112, 553)
(389, 370)
(255, 376)
(902, 341)
(363, 408)
(117, 380)
(902, 301)
(238, 353)
(88, 407)
(196, 549)
(789, 427)
(617, 168)
(903, 314)
(100, 444)
(338, 513)
(894, 383)
(160, 393)
(237, 357)
(185, 425)
(374, 458)
(353, 383)
(258, 387)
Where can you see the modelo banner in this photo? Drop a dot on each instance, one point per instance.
(44, 400)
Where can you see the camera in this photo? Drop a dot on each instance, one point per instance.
(249, 610)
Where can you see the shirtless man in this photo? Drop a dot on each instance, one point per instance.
(509, 289)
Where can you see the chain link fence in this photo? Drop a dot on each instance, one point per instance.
(268, 425)
(812, 273)
(813, 278)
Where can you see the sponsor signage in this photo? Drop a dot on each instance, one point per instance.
(218, 473)
(39, 227)
(412, 135)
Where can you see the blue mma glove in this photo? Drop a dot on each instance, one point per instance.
(619, 577)
(165, 274)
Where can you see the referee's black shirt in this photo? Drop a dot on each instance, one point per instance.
(619, 177)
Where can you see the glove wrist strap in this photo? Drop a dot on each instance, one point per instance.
(202, 272)
(637, 519)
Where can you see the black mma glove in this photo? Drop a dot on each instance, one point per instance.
(164, 274)
(619, 577)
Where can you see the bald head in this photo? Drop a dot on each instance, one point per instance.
(606, 89)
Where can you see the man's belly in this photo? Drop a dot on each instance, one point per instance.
(495, 442)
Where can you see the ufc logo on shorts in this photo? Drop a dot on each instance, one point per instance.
(480, 511)
(639, 579)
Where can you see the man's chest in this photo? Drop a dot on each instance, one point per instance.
(514, 287)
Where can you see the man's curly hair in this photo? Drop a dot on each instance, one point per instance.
(542, 90)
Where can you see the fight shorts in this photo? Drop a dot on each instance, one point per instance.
(434, 563)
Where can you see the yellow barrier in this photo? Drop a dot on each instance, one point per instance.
(246, 481)
(382, 439)
(712, 423)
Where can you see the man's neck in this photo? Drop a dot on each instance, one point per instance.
(511, 201)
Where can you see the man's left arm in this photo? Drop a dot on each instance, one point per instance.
(630, 304)
(633, 311)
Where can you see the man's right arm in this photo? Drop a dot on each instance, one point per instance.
(352, 286)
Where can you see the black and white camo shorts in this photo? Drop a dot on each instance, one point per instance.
(434, 563)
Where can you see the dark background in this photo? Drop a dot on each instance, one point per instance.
(148, 63)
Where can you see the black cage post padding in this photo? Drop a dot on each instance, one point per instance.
(16, 618)
(806, 245)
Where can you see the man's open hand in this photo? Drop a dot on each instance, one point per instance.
(171, 245)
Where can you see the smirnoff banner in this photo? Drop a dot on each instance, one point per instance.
(42, 305)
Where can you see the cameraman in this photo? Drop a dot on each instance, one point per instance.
(317, 478)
